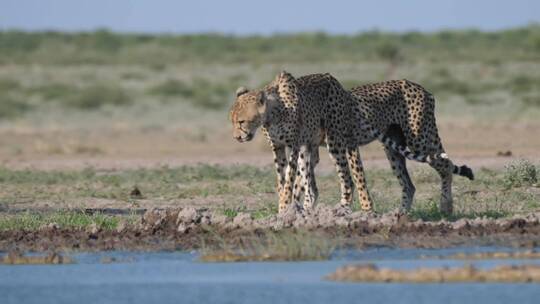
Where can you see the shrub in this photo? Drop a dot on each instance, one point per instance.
(522, 83)
(200, 93)
(389, 52)
(6, 85)
(533, 101)
(520, 173)
(172, 87)
(11, 107)
(54, 91)
(96, 96)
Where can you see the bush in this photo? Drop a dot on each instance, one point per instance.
(448, 85)
(389, 52)
(96, 96)
(522, 84)
(172, 87)
(11, 107)
(106, 47)
(520, 173)
(200, 93)
(54, 91)
(7, 85)
(533, 101)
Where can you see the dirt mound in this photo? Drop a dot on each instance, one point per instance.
(188, 228)
(327, 218)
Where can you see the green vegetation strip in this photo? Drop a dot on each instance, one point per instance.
(494, 194)
(269, 246)
(158, 51)
(63, 219)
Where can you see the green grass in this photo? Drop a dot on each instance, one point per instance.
(431, 212)
(164, 183)
(65, 219)
(520, 173)
(489, 195)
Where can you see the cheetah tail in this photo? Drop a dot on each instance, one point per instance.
(405, 151)
(464, 171)
(408, 154)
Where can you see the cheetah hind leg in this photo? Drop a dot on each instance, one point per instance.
(399, 167)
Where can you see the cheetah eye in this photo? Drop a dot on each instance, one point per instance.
(241, 122)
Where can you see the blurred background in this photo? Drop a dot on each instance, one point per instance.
(129, 84)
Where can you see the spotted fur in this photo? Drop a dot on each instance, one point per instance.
(296, 113)
(403, 113)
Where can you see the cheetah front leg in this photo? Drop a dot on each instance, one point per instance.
(306, 170)
(280, 163)
(357, 169)
(285, 196)
(299, 189)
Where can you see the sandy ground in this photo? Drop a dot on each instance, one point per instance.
(475, 145)
(110, 148)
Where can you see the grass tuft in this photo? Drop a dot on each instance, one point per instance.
(520, 173)
(272, 246)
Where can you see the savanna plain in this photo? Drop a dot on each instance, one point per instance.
(122, 142)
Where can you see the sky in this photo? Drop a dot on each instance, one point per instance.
(243, 17)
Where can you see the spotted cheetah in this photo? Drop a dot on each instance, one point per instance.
(402, 115)
(296, 113)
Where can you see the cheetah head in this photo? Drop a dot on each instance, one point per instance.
(247, 113)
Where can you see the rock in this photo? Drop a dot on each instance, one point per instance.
(188, 215)
(93, 229)
(183, 228)
(122, 226)
(342, 222)
(288, 216)
(341, 210)
(388, 219)
(218, 219)
(461, 224)
(49, 227)
(153, 219)
(243, 220)
(205, 220)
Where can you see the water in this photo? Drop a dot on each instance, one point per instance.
(179, 278)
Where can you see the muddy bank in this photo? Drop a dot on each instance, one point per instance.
(520, 255)
(502, 274)
(17, 258)
(190, 228)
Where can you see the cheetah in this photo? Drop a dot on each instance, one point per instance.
(295, 114)
(289, 113)
(403, 114)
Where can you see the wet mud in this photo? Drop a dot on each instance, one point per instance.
(501, 274)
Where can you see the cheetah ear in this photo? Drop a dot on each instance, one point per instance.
(241, 90)
(286, 76)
